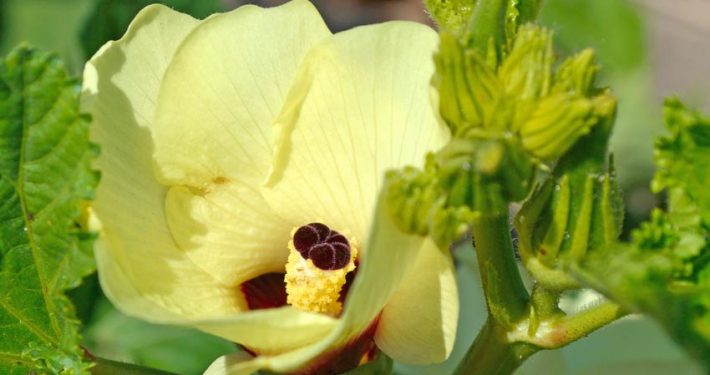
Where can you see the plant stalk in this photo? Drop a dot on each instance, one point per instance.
(491, 354)
(581, 324)
(506, 296)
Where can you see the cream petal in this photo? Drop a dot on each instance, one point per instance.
(418, 324)
(360, 106)
(271, 331)
(159, 302)
(223, 89)
(239, 363)
(228, 230)
(137, 259)
(392, 256)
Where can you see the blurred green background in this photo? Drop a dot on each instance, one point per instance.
(649, 49)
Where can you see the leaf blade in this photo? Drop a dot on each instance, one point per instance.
(46, 175)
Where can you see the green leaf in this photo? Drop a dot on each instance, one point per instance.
(665, 272)
(45, 177)
(683, 158)
(111, 18)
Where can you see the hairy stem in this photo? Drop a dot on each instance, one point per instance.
(562, 330)
(506, 296)
(492, 354)
(574, 327)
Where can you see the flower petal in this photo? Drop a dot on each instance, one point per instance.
(418, 325)
(271, 331)
(239, 363)
(223, 89)
(138, 271)
(228, 230)
(359, 106)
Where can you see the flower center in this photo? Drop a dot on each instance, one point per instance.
(318, 263)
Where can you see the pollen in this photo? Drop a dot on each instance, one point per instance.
(319, 260)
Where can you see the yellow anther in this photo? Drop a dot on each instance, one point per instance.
(313, 289)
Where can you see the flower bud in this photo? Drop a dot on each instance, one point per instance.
(566, 218)
(484, 173)
(548, 110)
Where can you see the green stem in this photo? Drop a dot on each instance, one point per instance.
(544, 302)
(574, 327)
(108, 367)
(506, 296)
(488, 23)
(506, 299)
(559, 331)
(491, 354)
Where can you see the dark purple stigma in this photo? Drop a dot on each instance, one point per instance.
(328, 249)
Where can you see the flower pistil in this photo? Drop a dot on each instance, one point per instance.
(318, 263)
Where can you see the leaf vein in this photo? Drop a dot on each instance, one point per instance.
(27, 323)
(23, 204)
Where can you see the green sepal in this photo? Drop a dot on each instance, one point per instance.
(554, 109)
(413, 195)
(526, 72)
(576, 74)
(562, 223)
(469, 90)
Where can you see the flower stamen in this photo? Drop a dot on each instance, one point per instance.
(319, 260)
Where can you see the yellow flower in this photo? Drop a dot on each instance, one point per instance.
(222, 138)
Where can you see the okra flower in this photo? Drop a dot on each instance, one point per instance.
(251, 145)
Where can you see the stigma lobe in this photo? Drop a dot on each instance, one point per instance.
(326, 248)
